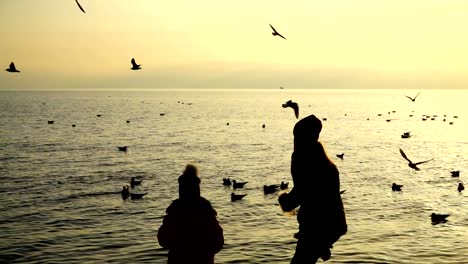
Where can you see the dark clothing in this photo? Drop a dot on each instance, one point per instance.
(191, 232)
(316, 190)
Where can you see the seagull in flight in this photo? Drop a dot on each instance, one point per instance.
(275, 33)
(135, 66)
(413, 99)
(12, 68)
(410, 163)
(82, 10)
(293, 105)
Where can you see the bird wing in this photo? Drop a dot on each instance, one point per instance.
(409, 97)
(80, 6)
(281, 35)
(404, 155)
(295, 106)
(273, 28)
(421, 162)
(416, 95)
(12, 66)
(134, 63)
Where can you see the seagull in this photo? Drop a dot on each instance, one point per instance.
(125, 192)
(82, 10)
(413, 99)
(237, 185)
(135, 196)
(341, 156)
(284, 185)
(439, 218)
(396, 187)
(227, 182)
(50, 122)
(410, 163)
(293, 105)
(237, 197)
(124, 148)
(455, 173)
(268, 189)
(134, 182)
(460, 187)
(12, 68)
(275, 33)
(135, 66)
(343, 191)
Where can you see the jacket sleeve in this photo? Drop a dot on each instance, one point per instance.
(217, 237)
(166, 232)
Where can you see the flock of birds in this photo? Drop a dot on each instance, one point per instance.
(133, 195)
(435, 218)
(267, 189)
(135, 66)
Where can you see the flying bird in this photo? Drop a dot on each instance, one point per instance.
(460, 187)
(413, 99)
(293, 105)
(135, 66)
(275, 33)
(341, 156)
(82, 10)
(12, 68)
(410, 163)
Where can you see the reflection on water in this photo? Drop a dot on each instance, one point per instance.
(60, 191)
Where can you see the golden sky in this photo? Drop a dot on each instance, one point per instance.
(228, 44)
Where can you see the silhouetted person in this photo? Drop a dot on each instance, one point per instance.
(190, 230)
(316, 190)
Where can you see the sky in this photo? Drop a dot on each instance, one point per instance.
(405, 44)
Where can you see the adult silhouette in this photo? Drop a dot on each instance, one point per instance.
(316, 190)
(190, 230)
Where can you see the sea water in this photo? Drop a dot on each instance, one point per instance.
(59, 191)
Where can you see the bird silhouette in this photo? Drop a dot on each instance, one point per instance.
(124, 148)
(134, 65)
(410, 163)
(82, 10)
(460, 187)
(237, 197)
(268, 189)
(135, 196)
(227, 182)
(12, 68)
(293, 105)
(134, 182)
(237, 185)
(284, 185)
(341, 156)
(412, 99)
(396, 187)
(455, 173)
(125, 192)
(343, 191)
(439, 218)
(275, 33)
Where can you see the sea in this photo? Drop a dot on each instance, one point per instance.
(60, 185)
